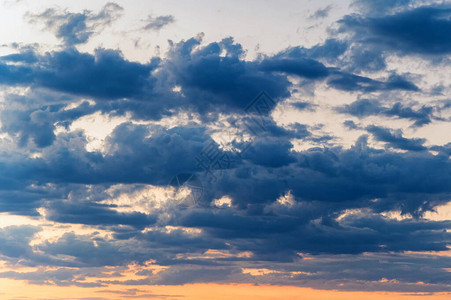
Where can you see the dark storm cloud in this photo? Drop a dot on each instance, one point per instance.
(14, 241)
(384, 28)
(95, 214)
(11, 75)
(212, 78)
(219, 73)
(362, 108)
(351, 82)
(421, 116)
(271, 154)
(395, 139)
(219, 81)
(302, 67)
(76, 28)
(104, 75)
(330, 50)
(353, 178)
(135, 158)
(422, 30)
(208, 80)
(131, 157)
(365, 107)
(363, 58)
(445, 149)
(34, 117)
(164, 154)
(35, 125)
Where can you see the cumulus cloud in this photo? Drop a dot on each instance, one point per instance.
(77, 28)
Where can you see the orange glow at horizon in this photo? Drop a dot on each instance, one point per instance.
(14, 289)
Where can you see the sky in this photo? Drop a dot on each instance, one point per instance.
(225, 149)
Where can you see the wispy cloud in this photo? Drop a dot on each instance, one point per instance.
(156, 23)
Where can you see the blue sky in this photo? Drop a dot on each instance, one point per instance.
(288, 143)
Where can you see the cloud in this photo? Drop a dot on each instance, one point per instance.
(60, 277)
(321, 13)
(156, 23)
(365, 107)
(405, 32)
(106, 74)
(88, 252)
(15, 241)
(351, 82)
(217, 81)
(395, 139)
(209, 81)
(381, 6)
(331, 51)
(77, 28)
(35, 125)
(95, 214)
(300, 190)
(301, 66)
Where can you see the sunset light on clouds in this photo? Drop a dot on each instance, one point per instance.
(225, 149)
